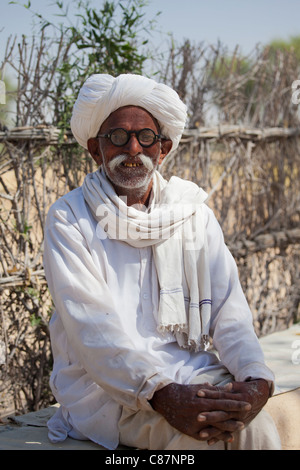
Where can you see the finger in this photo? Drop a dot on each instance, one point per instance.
(211, 417)
(213, 433)
(226, 405)
(209, 433)
(230, 425)
(222, 437)
(213, 388)
(222, 420)
(219, 394)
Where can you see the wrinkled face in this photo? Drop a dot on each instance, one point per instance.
(130, 166)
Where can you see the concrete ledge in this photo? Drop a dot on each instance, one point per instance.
(33, 438)
(30, 432)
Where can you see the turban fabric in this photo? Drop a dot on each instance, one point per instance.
(102, 94)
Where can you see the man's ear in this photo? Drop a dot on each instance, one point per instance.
(166, 146)
(93, 148)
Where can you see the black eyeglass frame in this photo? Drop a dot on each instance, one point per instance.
(156, 137)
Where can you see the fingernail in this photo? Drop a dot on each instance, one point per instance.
(203, 434)
(200, 393)
(201, 418)
(212, 441)
(247, 407)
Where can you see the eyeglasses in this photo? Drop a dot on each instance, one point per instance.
(120, 137)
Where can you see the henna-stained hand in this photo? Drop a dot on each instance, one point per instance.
(206, 417)
(254, 392)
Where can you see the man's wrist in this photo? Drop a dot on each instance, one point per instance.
(269, 383)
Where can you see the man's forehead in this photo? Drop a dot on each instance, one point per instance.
(130, 114)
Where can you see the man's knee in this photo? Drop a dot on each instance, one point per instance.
(260, 434)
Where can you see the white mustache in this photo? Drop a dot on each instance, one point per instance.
(146, 161)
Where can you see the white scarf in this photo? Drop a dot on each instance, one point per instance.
(174, 227)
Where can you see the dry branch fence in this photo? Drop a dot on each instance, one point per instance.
(248, 163)
(267, 253)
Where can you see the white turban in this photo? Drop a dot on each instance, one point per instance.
(102, 94)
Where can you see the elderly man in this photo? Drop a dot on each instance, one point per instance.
(141, 279)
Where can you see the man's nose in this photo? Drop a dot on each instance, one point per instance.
(133, 147)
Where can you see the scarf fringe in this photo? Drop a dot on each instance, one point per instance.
(180, 331)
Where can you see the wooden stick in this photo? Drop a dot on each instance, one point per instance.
(50, 135)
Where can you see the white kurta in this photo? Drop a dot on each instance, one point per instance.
(107, 351)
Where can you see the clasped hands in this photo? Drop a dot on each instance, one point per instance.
(210, 413)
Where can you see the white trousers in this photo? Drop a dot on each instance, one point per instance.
(149, 430)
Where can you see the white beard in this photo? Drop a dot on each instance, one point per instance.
(138, 178)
